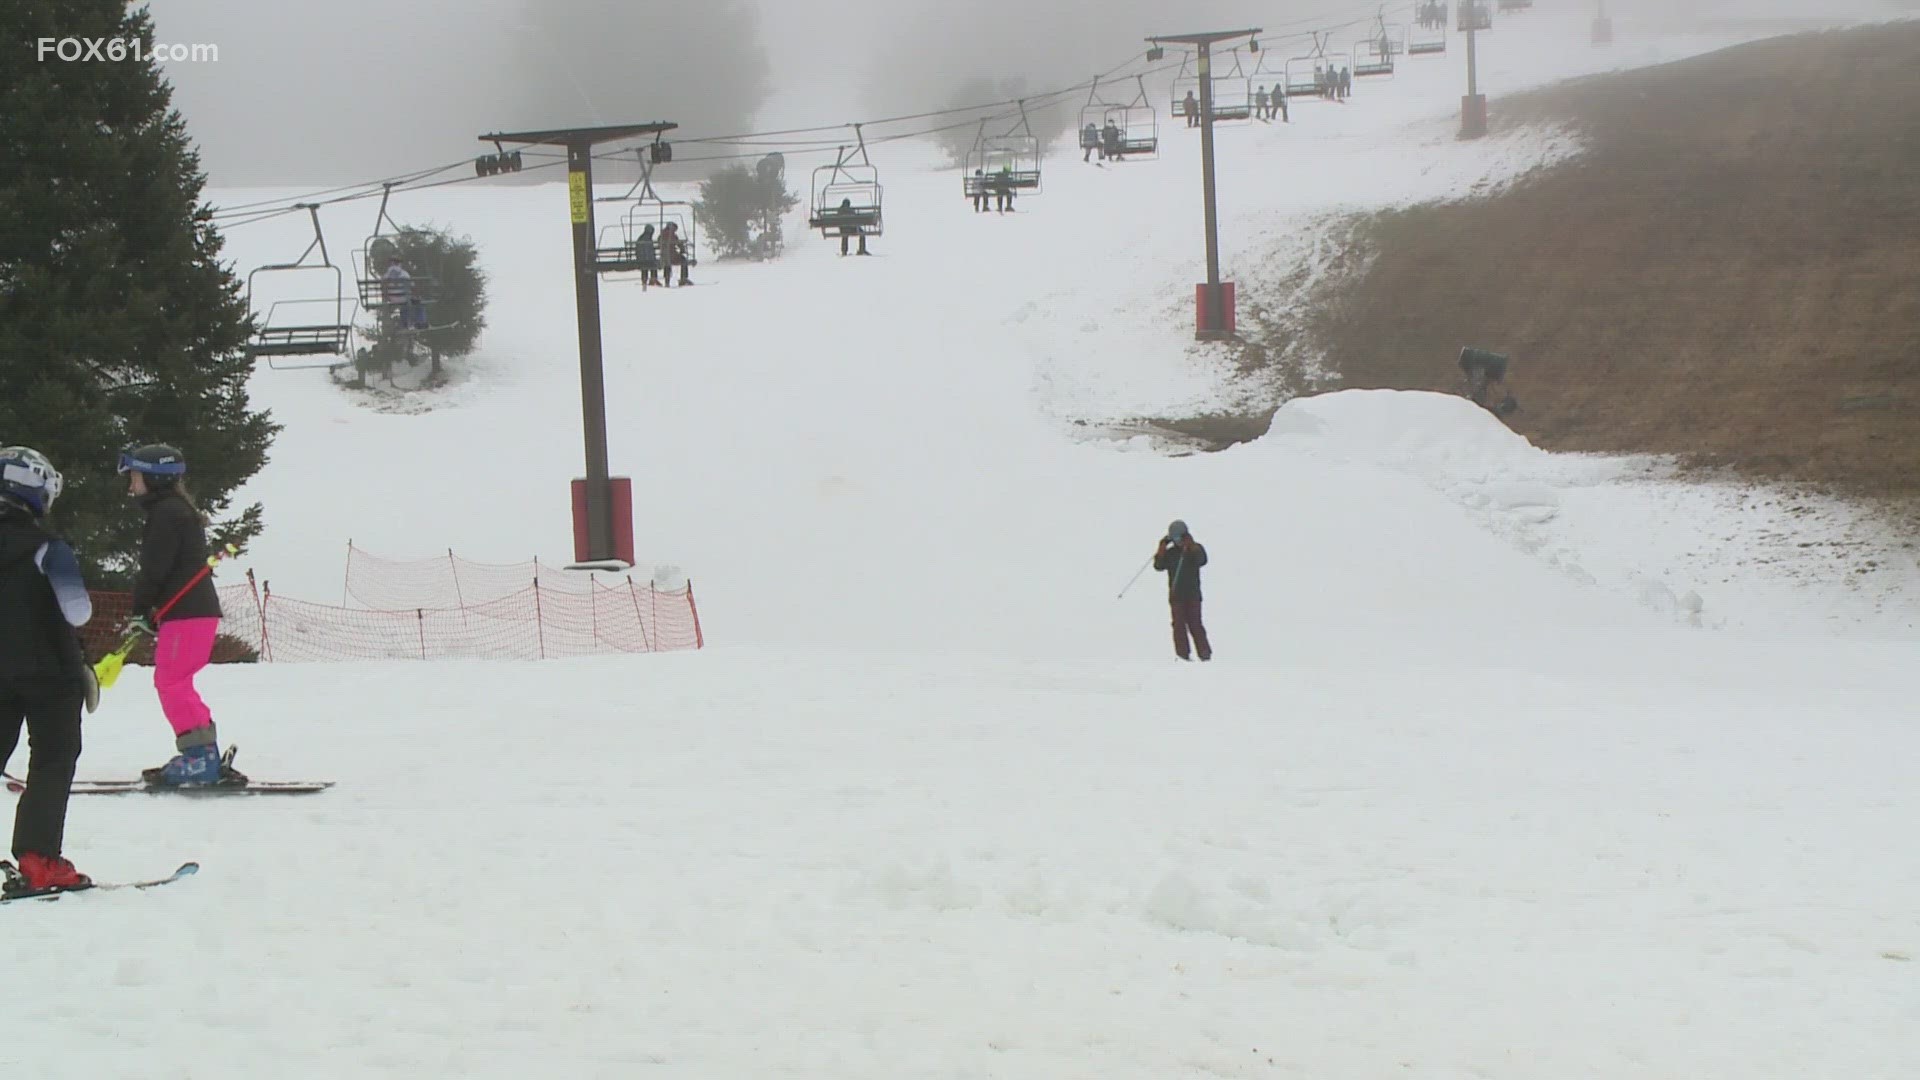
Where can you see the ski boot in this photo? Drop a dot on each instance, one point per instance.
(197, 765)
(42, 874)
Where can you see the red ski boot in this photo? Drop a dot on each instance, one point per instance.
(48, 873)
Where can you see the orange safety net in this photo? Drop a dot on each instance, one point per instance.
(438, 609)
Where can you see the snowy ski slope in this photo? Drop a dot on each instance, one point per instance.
(1510, 765)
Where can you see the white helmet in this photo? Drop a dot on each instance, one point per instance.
(27, 475)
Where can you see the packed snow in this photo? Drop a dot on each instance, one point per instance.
(1510, 764)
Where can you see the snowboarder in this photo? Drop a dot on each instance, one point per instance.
(173, 550)
(1182, 557)
(44, 678)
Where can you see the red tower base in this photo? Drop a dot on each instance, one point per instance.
(1473, 116)
(1206, 327)
(622, 512)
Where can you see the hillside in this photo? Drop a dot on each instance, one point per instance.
(1727, 274)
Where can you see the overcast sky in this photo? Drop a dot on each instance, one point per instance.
(360, 89)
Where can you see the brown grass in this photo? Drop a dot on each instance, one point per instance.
(1731, 274)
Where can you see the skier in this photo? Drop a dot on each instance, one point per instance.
(673, 252)
(1182, 557)
(396, 290)
(647, 254)
(850, 227)
(1190, 108)
(172, 551)
(44, 679)
(1090, 141)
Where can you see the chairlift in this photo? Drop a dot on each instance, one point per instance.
(1475, 15)
(1010, 160)
(1429, 34)
(1233, 92)
(1515, 5)
(287, 341)
(370, 261)
(1374, 56)
(626, 245)
(1304, 73)
(1139, 124)
(1136, 124)
(1270, 73)
(846, 197)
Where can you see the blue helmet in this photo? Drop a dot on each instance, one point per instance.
(159, 463)
(29, 478)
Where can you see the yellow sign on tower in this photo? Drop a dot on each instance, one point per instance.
(577, 195)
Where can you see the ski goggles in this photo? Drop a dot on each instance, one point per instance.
(129, 463)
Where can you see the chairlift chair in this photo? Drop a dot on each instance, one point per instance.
(1270, 71)
(1476, 15)
(292, 343)
(1373, 57)
(1428, 37)
(1302, 72)
(1233, 92)
(1139, 124)
(370, 261)
(617, 247)
(846, 195)
(1011, 158)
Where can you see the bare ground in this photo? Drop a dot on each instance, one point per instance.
(1731, 275)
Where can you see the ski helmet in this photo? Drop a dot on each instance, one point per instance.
(159, 463)
(28, 477)
(1176, 530)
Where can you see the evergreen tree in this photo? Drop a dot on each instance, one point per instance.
(740, 208)
(118, 324)
(447, 278)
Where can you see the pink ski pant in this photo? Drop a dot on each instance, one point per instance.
(183, 648)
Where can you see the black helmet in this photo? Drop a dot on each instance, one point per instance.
(159, 463)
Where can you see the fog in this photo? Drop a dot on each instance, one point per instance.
(357, 89)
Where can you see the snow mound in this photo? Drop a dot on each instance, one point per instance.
(1392, 421)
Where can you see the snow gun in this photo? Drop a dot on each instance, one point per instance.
(107, 671)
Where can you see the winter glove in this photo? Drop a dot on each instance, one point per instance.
(140, 624)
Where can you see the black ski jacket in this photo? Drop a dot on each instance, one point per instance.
(1183, 570)
(173, 549)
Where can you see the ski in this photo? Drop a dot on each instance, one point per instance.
(231, 782)
(198, 791)
(15, 888)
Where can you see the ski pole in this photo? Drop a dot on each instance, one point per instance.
(108, 669)
(1136, 576)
